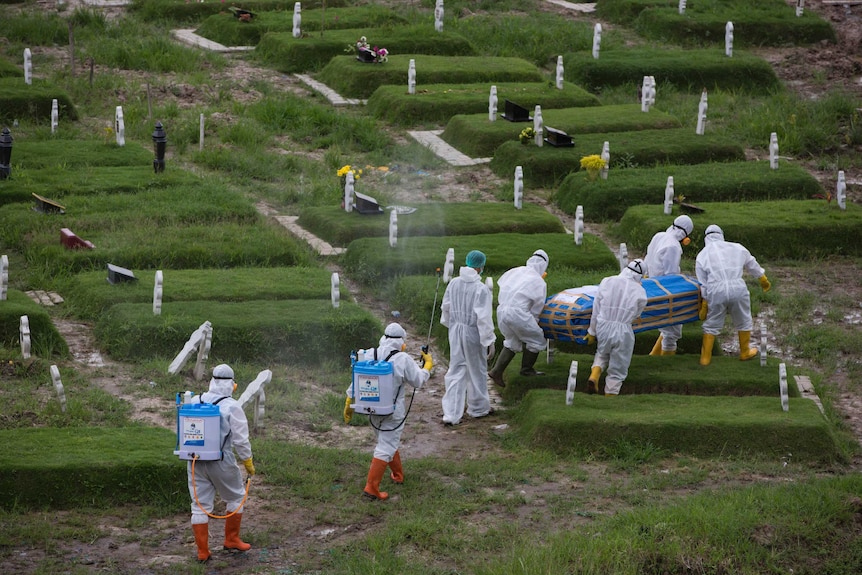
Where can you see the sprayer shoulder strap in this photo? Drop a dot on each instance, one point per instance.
(224, 442)
(393, 352)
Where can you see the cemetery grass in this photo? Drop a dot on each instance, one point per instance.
(478, 502)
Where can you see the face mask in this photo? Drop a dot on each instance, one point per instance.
(403, 346)
(234, 386)
(544, 275)
(686, 240)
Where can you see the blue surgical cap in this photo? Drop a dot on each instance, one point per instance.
(476, 259)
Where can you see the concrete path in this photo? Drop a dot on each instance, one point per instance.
(190, 38)
(585, 8)
(334, 97)
(431, 140)
(322, 247)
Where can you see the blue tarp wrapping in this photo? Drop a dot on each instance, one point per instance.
(671, 300)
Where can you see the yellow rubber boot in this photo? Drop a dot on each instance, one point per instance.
(375, 474)
(671, 352)
(593, 381)
(706, 349)
(397, 474)
(231, 533)
(746, 352)
(202, 540)
(656, 349)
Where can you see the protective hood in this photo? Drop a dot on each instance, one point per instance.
(682, 226)
(713, 234)
(393, 339)
(538, 261)
(222, 380)
(636, 270)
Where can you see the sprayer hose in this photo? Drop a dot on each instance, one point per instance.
(195, 492)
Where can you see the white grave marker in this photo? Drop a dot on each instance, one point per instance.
(550, 352)
(55, 115)
(348, 191)
(157, 293)
(25, 337)
(4, 276)
(800, 8)
(119, 126)
(201, 136)
(203, 354)
(763, 344)
(701, 114)
(539, 126)
(579, 225)
(841, 191)
(393, 229)
(335, 288)
(411, 77)
(773, 150)
(492, 105)
(668, 196)
(189, 348)
(560, 71)
(255, 392)
(572, 382)
(624, 257)
(606, 156)
(489, 283)
(28, 67)
(438, 16)
(647, 93)
(297, 20)
(58, 385)
(519, 187)
(682, 6)
(782, 385)
(449, 266)
(728, 39)
(597, 40)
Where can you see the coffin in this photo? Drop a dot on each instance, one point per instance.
(671, 300)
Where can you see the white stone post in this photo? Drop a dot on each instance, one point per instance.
(335, 289)
(701, 114)
(55, 115)
(58, 385)
(800, 8)
(519, 187)
(189, 348)
(489, 283)
(203, 352)
(25, 336)
(550, 352)
(492, 105)
(348, 191)
(606, 156)
(773, 150)
(201, 136)
(623, 257)
(449, 265)
(411, 77)
(762, 344)
(560, 72)
(4, 276)
(647, 93)
(297, 20)
(579, 225)
(539, 126)
(841, 191)
(119, 126)
(572, 382)
(438, 16)
(393, 229)
(728, 39)
(157, 293)
(782, 386)
(28, 67)
(682, 7)
(597, 40)
(668, 196)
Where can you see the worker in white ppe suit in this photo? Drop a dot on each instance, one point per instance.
(662, 258)
(522, 296)
(221, 476)
(619, 301)
(388, 428)
(466, 311)
(719, 267)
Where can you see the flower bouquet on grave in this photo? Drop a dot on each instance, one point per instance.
(368, 54)
(527, 135)
(593, 164)
(344, 170)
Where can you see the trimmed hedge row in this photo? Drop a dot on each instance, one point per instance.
(19, 100)
(288, 54)
(340, 228)
(436, 103)
(477, 137)
(357, 80)
(66, 468)
(688, 70)
(791, 229)
(754, 427)
(547, 166)
(45, 340)
(714, 181)
(292, 331)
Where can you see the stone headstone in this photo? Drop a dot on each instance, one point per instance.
(190, 347)
(24, 330)
(572, 382)
(539, 126)
(438, 16)
(773, 150)
(348, 192)
(701, 114)
(682, 6)
(606, 156)
(119, 126)
(55, 115)
(157, 293)
(782, 387)
(256, 395)
(623, 257)
(597, 40)
(668, 196)
(297, 20)
(203, 354)
(728, 39)
(411, 77)
(393, 228)
(4, 276)
(800, 8)
(519, 187)
(560, 73)
(449, 265)
(579, 225)
(58, 386)
(201, 136)
(841, 191)
(492, 105)
(763, 344)
(28, 67)
(335, 289)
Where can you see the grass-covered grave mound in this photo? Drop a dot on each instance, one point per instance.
(701, 426)
(228, 30)
(688, 70)
(713, 181)
(338, 227)
(75, 467)
(478, 137)
(369, 259)
(19, 100)
(788, 229)
(311, 53)
(354, 79)
(71, 155)
(87, 295)
(45, 340)
(10, 70)
(182, 11)
(436, 103)
(547, 166)
(296, 332)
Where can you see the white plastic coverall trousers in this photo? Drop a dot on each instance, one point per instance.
(521, 299)
(619, 301)
(466, 311)
(405, 371)
(662, 258)
(719, 268)
(223, 476)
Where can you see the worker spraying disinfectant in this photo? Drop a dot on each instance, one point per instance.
(210, 427)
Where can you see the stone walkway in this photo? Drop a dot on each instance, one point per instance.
(585, 8)
(334, 97)
(431, 140)
(190, 38)
(322, 247)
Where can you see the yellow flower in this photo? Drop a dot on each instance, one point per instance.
(592, 162)
(343, 171)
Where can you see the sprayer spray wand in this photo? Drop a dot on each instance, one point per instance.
(433, 309)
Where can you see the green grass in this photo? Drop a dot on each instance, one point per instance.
(182, 11)
(45, 340)
(18, 101)
(72, 154)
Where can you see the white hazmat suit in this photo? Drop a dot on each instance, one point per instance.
(662, 258)
(619, 301)
(466, 310)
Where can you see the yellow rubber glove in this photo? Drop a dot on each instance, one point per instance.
(249, 466)
(764, 283)
(704, 309)
(348, 411)
(591, 339)
(427, 362)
